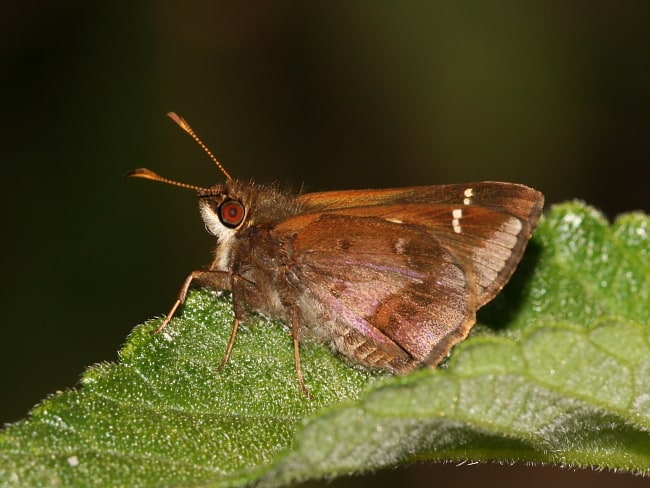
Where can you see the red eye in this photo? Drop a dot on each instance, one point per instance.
(231, 213)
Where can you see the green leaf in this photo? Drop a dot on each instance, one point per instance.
(557, 371)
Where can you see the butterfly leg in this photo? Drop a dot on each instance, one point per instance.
(179, 301)
(202, 276)
(240, 315)
(231, 344)
(296, 352)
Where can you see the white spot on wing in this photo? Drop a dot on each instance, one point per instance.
(456, 215)
(468, 194)
(400, 245)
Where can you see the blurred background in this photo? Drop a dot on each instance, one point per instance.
(332, 95)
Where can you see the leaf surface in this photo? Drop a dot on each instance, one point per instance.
(557, 371)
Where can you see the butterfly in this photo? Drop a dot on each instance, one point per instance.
(390, 278)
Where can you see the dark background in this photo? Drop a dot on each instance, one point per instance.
(330, 94)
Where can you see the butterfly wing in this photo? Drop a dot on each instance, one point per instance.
(401, 276)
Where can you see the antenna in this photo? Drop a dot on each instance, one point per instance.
(187, 128)
(147, 174)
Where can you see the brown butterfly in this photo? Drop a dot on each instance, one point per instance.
(391, 279)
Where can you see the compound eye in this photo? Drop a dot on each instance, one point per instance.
(231, 213)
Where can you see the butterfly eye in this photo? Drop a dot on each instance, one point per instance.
(231, 213)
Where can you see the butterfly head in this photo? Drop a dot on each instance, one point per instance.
(229, 207)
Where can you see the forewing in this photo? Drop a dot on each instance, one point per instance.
(486, 225)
